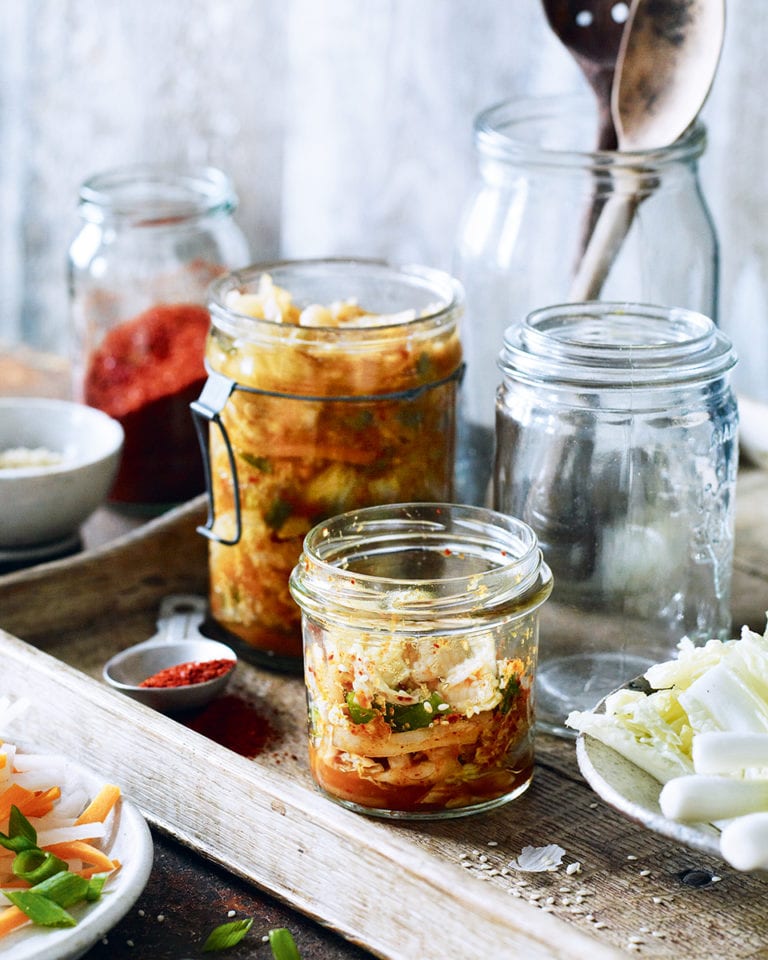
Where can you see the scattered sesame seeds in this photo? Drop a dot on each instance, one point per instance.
(160, 917)
(231, 913)
(631, 856)
(142, 913)
(645, 873)
(493, 843)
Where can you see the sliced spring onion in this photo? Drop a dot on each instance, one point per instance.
(283, 945)
(39, 909)
(34, 865)
(65, 889)
(21, 834)
(227, 935)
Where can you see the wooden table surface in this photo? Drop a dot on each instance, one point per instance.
(192, 895)
(186, 896)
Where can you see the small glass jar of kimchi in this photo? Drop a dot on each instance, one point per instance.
(332, 385)
(420, 626)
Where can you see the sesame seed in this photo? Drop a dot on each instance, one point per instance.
(600, 925)
(493, 843)
(129, 943)
(141, 913)
(635, 939)
(160, 917)
(631, 856)
(574, 867)
(658, 933)
(655, 899)
(231, 913)
(645, 873)
(593, 806)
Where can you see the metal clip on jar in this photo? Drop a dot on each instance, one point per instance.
(151, 241)
(420, 630)
(617, 443)
(338, 390)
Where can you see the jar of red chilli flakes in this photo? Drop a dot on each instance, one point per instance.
(332, 385)
(151, 241)
(420, 626)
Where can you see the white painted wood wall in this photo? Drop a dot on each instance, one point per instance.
(345, 124)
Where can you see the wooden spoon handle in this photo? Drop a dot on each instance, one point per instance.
(606, 239)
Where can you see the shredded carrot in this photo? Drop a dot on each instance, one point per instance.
(99, 808)
(42, 802)
(14, 795)
(10, 918)
(80, 850)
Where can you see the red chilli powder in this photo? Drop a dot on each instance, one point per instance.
(186, 674)
(235, 724)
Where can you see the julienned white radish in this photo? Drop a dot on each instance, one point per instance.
(744, 842)
(702, 799)
(727, 752)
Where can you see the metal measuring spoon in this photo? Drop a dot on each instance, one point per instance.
(178, 640)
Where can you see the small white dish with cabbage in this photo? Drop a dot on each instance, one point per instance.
(701, 730)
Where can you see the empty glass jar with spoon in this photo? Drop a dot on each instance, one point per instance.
(523, 234)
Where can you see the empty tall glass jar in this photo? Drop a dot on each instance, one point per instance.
(617, 443)
(525, 228)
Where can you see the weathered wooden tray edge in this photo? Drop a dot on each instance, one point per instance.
(257, 823)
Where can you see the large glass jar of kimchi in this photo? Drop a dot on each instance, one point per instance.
(420, 641)
(151, 239)
(332, 385)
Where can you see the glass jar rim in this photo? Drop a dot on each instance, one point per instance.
(495, 127)
(156, 194)
(600, 344)
(516, 579)
(446, 292)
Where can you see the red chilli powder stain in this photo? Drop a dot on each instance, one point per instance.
(235, 724)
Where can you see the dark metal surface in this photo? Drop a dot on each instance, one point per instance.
(186, 897)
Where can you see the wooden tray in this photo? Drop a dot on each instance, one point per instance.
(401, 890)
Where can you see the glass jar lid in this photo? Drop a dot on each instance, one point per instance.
(618, 345)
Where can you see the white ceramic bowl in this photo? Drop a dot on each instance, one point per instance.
(43, 504)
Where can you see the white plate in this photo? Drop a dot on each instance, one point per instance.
(129, 841)
(635, 793)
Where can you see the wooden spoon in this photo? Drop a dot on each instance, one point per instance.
(591, 30)
(666, 64)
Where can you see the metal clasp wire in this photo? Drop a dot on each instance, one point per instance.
(206, 410)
